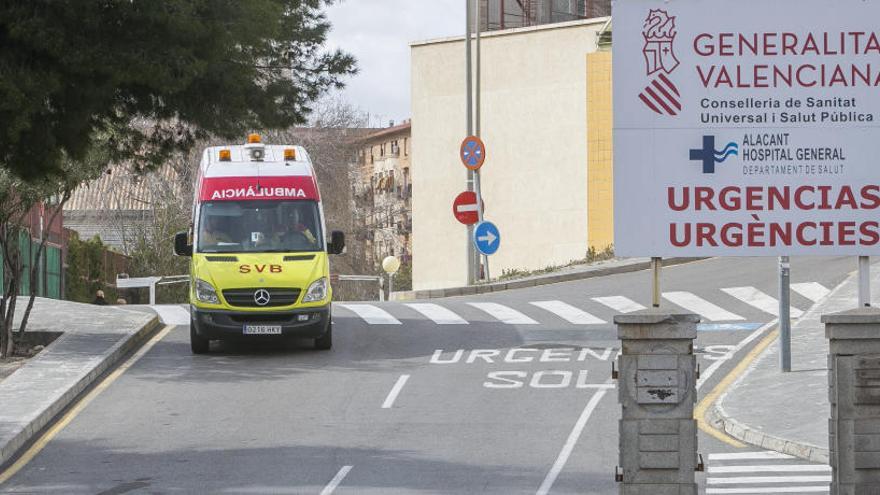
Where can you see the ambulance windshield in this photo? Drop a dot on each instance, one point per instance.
(259, 227)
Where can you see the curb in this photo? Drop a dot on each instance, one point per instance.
(598, 271)
(718, 418)
(45, 417)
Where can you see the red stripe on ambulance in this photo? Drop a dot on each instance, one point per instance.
(262, 188)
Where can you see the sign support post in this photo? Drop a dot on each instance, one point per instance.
(471, 250)
(656, 267)
(784, 313)
(477, 183)
(864, 281)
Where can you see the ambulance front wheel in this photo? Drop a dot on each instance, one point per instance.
(197, 343)
(325, 342)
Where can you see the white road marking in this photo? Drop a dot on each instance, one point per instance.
(395, 391)
(736, 456)
(702, 307)
(735, 480)
(813, 291)
(504, 314)
(372, 314)
(570, 442)
(620, 303)
(705, 375)
(569, 313)
(760, 300)
(438, 314)
(772, 468)
(172, 314)
(777, 489)
(328, 490)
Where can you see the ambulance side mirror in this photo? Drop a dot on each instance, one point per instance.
(337, 243)
(182, 247)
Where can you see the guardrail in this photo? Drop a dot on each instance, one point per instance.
(150, 283)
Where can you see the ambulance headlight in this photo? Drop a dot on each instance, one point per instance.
(205, 292)
(317, 291)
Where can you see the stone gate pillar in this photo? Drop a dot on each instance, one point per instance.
(657, 391)
(854, 393)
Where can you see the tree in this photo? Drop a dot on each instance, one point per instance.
(155, 75)
(17, 199)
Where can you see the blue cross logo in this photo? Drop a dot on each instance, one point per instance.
(710, 156)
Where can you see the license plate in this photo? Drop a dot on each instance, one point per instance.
(262, 329)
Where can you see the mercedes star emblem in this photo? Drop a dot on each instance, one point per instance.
(262, 297)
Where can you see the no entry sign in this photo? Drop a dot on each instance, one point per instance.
(465, 208)
(473, 152)
(746, 127)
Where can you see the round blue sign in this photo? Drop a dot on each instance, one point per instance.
(487, 238)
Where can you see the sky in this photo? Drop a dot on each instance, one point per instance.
(378, 33)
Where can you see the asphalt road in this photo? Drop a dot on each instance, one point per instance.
(479, 406)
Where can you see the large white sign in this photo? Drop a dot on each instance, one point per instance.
(746, 127)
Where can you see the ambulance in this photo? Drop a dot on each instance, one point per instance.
(259, 253)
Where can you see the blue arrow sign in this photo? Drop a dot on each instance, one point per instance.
(487, 238)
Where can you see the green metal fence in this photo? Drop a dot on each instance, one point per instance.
(53, 269)
(49, 272)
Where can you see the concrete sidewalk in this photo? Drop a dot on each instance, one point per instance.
(788, 412)
(94, 339)
(566, 274)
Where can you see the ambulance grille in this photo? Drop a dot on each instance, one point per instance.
(244, 298)
(300, 257)
(223, 259)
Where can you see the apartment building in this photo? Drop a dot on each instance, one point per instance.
(383, 192)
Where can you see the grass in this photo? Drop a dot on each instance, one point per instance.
(592, 256)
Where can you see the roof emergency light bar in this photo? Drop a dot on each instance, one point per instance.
(255, 147)
(256, 150)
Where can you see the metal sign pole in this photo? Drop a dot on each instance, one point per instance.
(477, 133)
(864, 281)
(471, 250)
(656, 266)
(784, 313)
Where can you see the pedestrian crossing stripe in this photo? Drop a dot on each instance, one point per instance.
(373, 315)
(764, 472)
(438, 314)
(728, 327)
(569, 313)
(718, 319)
(620, 303)
(503, 313)
(700, 306)
(811, 290)
(760, 300)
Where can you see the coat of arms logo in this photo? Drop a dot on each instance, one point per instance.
(659, 33)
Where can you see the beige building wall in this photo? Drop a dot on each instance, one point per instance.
(535, 127)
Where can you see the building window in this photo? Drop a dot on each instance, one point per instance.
(405, 150)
